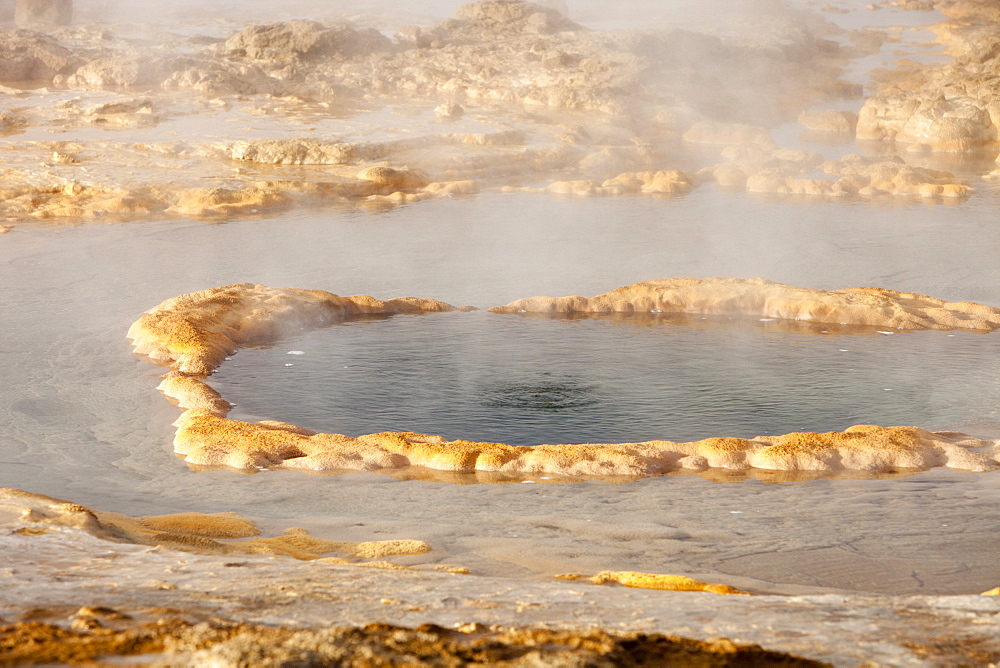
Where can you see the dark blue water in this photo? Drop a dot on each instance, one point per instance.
(527, 380)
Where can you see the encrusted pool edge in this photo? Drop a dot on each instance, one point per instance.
(194, 333)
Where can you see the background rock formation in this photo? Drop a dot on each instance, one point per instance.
(545, 103)
(951, 107)
(757, 297)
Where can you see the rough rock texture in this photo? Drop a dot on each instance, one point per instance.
(514, 16)
(71, 595)
(118, 71)
(302, 40)
(190, 392)
(394, 179)
(542, 100)
(523, 54)
(660, 182)
(195, 332)
(178, 643)
(792, 173)
(949, 107)
(757, 297)
(73, 200)
(29, 56)
(228, 202)
(308, 151)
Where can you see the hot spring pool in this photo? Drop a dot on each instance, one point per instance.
(83, 420)
(526, 380)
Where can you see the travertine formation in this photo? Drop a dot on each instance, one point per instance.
(760, 298)
(178, 642)
(193, 334)
(654, 581)
(533, 102)
(774, 171)
(949, 107)
(197, 532)
(204, 439)
(660, 182)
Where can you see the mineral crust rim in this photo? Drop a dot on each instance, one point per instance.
(193, 333)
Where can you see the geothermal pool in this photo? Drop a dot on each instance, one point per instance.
(83, 420)
(80, 417)
(637, 377)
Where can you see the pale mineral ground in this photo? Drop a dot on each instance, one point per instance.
(512, 150)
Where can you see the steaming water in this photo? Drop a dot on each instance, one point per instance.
(526, 381)
(82, 420)
(79, 417)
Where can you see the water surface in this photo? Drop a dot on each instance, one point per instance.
(525, 381)
(82, 420)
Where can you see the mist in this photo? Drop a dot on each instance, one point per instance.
(576, 161)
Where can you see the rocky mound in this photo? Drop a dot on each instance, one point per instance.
(757, 297)
(176, 642)
(787, 172)
(301, 40)
(660, 182)
(951, 107)
(204, 439)
(509, 16)
(195, 332)
(29, 56)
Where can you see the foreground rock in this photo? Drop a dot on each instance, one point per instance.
(178, 643)
(72, 597)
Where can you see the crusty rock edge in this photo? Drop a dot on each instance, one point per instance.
(194, 333)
